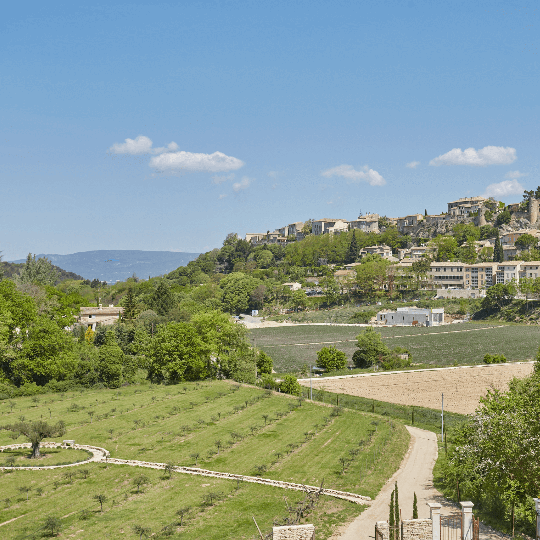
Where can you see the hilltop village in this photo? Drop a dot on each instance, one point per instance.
(509, 235)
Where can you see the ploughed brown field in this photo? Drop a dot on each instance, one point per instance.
(462, 386)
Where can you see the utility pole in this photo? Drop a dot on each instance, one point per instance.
(310, 385)
(442, 417)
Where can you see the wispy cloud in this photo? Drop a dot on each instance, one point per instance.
(169, 159)
(489, 155)
(243, 184)
(504, 189)
(273, 174)
(190, 162)
(365, 174)
(140, 145)
(222, 196)
(220, 179)
(412, 164)
(515, 174)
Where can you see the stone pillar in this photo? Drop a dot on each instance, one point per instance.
(466, 520)
(435, 515)
(537, 505)
(533, 210)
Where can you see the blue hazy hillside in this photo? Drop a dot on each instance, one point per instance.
(119, 264)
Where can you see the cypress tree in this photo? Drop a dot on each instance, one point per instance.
(498, 253)
(129, 306)
(415, 507)
(352, 253)
(391, 518)
(396, 510)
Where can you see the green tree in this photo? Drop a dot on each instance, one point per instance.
(331, 359)
(264, 364)
(498, 296)
(46, 352)
(223, 337)
(130, 307)
(415, 507)
(35, 432)
(503, 218)
(101, 499)
(498, 253)
(40, 271)
(290, 385)
(371, 276)
(299, 299)
(330, 289)
(111, 361)
(445, 247)
(162, 299)
(237, 288)
(526, 241)
(177, 353)
(140, 480)
(352, 253)
(52, 525)
(370, 348)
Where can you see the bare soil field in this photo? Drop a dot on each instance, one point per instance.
(462, 386)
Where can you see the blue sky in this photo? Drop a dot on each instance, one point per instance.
(166, 126)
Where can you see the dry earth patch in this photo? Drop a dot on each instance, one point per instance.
(462, 386)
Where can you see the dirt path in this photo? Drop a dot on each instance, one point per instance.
(463, 386)
(414, 475)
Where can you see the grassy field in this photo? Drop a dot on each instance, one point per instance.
(218, 425)
(293, 346)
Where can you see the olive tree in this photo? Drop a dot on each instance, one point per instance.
(36, 431)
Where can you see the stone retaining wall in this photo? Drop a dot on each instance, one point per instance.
(411, 529)
(416, 529)
(294, 532)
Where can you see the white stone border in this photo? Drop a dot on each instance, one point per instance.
(101, 455)
(98, 454)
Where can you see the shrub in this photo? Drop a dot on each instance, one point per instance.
(331, 359)
(494, 359)
(290, 385)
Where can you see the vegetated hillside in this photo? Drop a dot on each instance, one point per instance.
(12, 269)
(217, 425)
(119, 264)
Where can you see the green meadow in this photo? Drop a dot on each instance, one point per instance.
(218, 425)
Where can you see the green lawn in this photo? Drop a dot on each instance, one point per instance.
(256, 431)
(293, 346)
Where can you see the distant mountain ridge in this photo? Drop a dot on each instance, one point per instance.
(119, 264)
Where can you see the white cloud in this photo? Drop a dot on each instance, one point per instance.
(412, 164)
(222, 196)
(188, 161)
(220, 179)
(171, 147)
(365, 174)
(243, 184)
(140, 145)
(515, 174)
(504, 189)
(489, 155)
